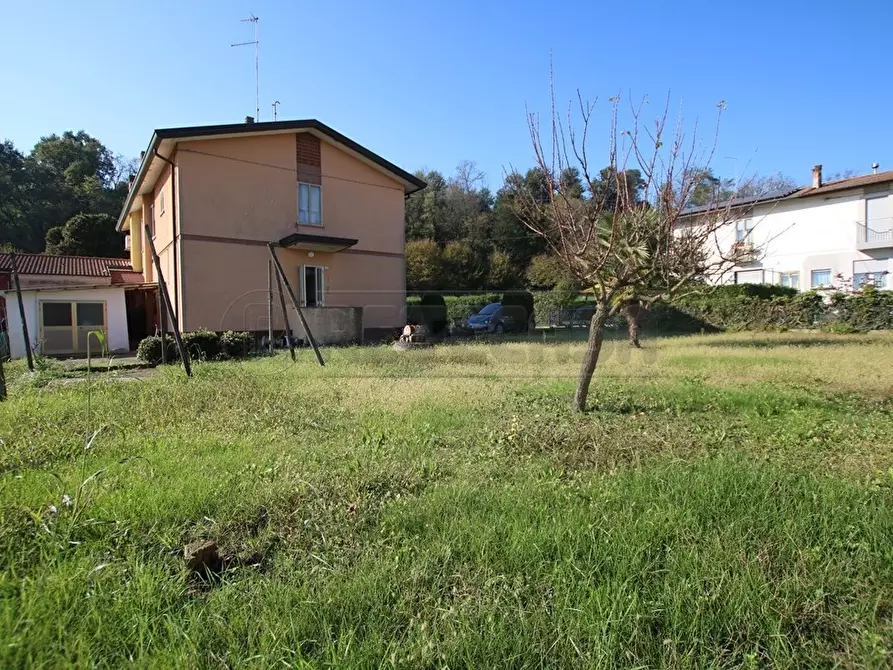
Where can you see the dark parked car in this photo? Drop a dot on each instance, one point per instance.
(499, 318)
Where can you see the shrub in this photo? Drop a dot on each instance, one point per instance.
(149, 349)
(235, 344)
(202, 345)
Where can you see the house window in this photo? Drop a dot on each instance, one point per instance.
(820, 279)
(744, 231)
(790, 279)
(749, 277)
(313, 286)
(870, 273)
(310, 204)
(161, 204)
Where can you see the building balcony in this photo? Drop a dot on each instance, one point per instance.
(879, 236)
(745, 252)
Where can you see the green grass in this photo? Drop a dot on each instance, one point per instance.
(728, 502)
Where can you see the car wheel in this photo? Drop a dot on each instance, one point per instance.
(500, 329)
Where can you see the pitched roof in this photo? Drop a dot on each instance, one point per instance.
(170, 136)
(802, 192)
(72, 266)
(843, 184)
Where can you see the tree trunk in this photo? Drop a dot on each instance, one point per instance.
(590, 359)
(633, 313)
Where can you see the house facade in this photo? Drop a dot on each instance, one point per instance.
(214, 197)
(64, 298)
(821, 236)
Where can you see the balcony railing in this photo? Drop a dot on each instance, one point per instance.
(744, 252)
(877, 236)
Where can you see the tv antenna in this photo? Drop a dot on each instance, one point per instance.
(276, 110)
(253, 19)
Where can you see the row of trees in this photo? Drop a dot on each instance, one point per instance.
(63, 196)
(461, 236)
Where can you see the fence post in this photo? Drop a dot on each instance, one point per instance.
(15, 279)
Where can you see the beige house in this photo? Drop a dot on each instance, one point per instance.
(213, 197)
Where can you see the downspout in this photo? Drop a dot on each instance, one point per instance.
(174, 209)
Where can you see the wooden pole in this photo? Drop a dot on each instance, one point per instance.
(160, 308)
(270, 306)
(288, 335)
(184, 356)
(15, 279)
(297, 305)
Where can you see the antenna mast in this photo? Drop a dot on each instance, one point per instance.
(253, 19)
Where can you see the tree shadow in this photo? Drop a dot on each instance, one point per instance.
(773, 343)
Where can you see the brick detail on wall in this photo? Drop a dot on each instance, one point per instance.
(309, 162)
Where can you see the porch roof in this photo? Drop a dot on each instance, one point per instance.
(317, 242)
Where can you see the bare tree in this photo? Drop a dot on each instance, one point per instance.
(627, 249)
(469, 176)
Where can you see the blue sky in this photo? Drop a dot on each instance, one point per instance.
(428, 84)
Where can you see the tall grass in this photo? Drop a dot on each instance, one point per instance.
(728, 503)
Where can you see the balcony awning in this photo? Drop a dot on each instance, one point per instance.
(316, 242)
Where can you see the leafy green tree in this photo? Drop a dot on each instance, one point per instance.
(570, 183)
(63, 176)
(86, 235)
(463, 269)
(501, 272)
(13, 195)
(546, 271)
(708, 188)
(424, 265)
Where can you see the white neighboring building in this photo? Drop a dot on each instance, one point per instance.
(818, 236)
(64, 298)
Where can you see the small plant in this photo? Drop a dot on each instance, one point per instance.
(149, 349)
(235, 344)
(202, 344)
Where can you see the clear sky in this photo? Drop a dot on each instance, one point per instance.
(428, 84)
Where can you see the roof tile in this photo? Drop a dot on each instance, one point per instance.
(74, 266)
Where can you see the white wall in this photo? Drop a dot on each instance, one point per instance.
(810, 234)
(116, 315)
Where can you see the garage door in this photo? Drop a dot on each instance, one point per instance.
(65, 326)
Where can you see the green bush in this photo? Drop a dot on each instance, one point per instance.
(759, 307)
(149, 349)
(203, 345)
(235, 344)
(869, 310)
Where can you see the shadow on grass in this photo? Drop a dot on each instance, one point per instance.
(758, 342)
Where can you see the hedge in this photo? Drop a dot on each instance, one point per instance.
(759, 307)
(202, 345)
(458, 307)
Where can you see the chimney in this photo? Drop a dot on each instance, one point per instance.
(817, 176)
(249, 120)
(874, 167)
(142, 156)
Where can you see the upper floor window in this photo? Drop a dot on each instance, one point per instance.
(820, 279)
(310, 204)
(744, 231)
(161, 204)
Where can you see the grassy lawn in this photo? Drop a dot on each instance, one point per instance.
(727, 503)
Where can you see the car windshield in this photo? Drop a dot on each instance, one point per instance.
(492, 308)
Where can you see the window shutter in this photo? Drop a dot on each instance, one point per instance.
(302, 288)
